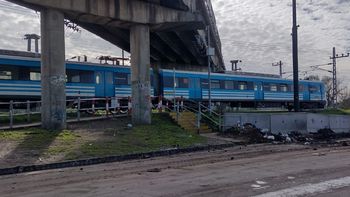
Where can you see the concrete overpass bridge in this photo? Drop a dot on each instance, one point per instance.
(163, 33)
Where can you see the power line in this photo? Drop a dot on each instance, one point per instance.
(271, 45)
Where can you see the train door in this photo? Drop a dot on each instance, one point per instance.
(195, 89)
(258, 89)
(100, 85)
(104, 84)
(109, 85)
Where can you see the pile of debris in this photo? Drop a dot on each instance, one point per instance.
(248, 133)
(252, 134)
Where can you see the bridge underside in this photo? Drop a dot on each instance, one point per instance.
(167, 33)
(168, 47)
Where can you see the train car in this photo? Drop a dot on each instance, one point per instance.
(243, 91)
(20, 79)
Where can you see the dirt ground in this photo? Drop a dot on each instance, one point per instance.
(266, 170)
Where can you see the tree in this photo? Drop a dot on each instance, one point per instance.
(345, 103)
(341, 93)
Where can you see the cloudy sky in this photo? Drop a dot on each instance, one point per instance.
(254, 31)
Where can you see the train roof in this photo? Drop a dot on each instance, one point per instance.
(251, 74)
(29, 56)
(236, 75)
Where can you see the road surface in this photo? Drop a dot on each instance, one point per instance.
(257, 170)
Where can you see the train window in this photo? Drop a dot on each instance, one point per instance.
(168, 82)
(5, 75)
(204, 83)
(35, 76)
(250, 85)
(122, 79)
(86, 76)
(215, 84)
(255, 87)
(301, 88)
(182, 82)
(79, 76)
(273, 87)
(229, 85)
(284, 88)
(13, 73)
(73, 76)
(314, 89)
(243, 85)
(266, 87)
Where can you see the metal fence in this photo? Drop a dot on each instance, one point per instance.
(29, 112)
(203, 113)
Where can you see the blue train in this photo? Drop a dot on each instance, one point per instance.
(20, 79)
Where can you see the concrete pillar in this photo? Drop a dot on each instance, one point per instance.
(29, 45)
(36, 45)
(140, 74)
(53, 72)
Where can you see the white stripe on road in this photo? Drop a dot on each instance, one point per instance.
(308, 189)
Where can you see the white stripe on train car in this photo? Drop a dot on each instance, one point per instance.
(12, 93)
(81, 94)
(20, 84)
(14, 89)
(81, 87)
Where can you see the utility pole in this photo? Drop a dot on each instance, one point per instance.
(209, 53)
(235, 65)
(335, 82)
(280, 64)
(295, 59)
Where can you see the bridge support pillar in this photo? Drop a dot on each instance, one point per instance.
(53, 71)
(140, 74)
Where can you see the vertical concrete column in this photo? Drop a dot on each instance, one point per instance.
(29, 45)
(53, 71)
(140, 74)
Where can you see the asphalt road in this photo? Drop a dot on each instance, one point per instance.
(259, 170)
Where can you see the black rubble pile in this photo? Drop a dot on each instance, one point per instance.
(252, 134)
(324, 134)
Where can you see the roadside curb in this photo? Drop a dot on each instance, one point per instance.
(111, 159)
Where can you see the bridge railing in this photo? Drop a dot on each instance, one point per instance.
(207, 9)
(212, 21)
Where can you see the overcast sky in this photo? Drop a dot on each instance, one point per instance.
(258, 32)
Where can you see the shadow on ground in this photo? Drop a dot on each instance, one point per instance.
(93, 139)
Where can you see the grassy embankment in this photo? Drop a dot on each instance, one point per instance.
(336, 111)
(38, 144)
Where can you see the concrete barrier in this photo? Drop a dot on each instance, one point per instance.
(288, 122)
(317, 121)
(339, 123)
